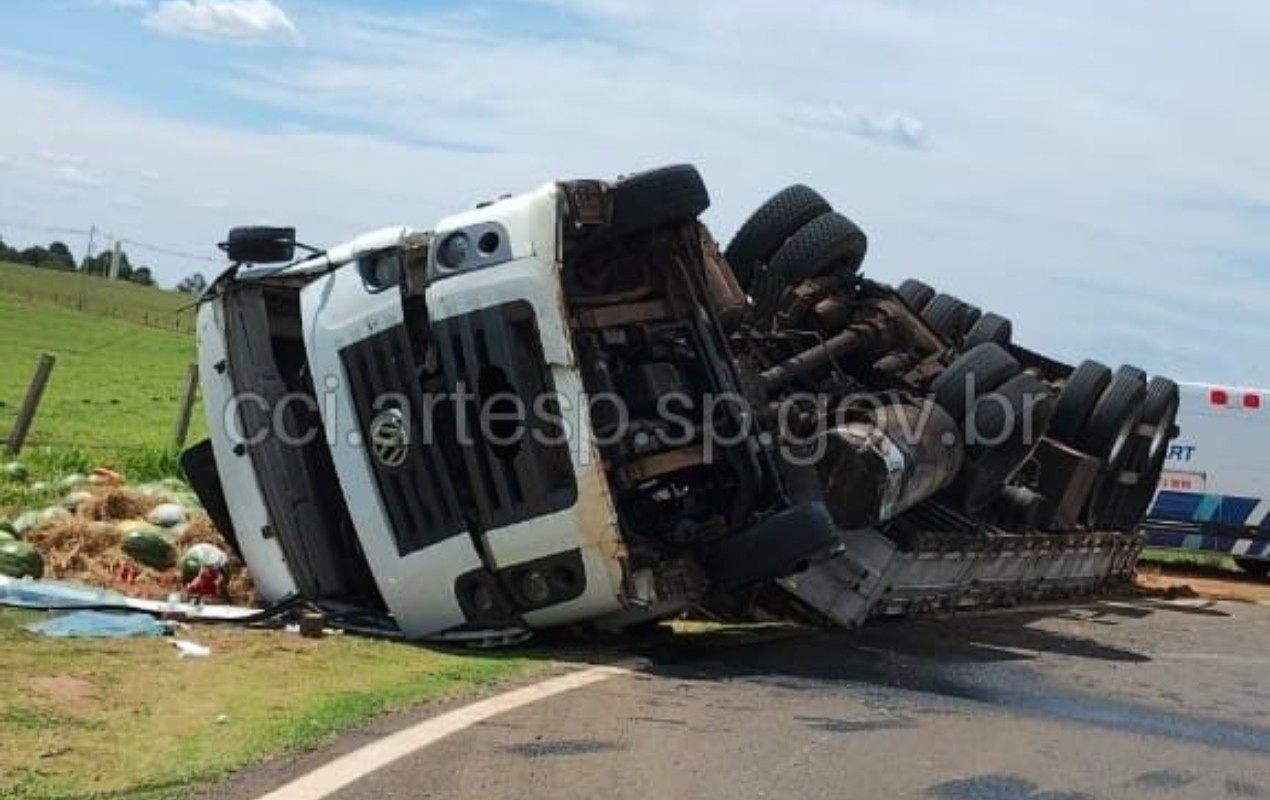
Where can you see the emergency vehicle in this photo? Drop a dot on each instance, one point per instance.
(1214, 493)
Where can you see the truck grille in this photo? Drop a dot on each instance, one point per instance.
(459, 474)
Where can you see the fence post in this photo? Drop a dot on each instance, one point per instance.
(30, 404)
(189, 392)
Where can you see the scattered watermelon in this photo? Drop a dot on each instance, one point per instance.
(5, 536)
(20, 560)
(15, 472)
(127, 526)
(74, 500)
(73, 481)
(39, 488)
(151, 548)
(25, 522)
(54, 514)
(199, 556)
(167, 515)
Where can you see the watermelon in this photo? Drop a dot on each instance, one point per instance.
(15, 472)
(167, 515)
(74, 500)
(25, 522)
(6, 525)
(199, 556)
(5, 536)
(151, 548)
(73, 481)
(39, 488)
(54, 514)
(20, 560)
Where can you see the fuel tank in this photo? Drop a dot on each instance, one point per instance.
(879, 462)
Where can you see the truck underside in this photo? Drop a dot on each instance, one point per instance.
(785, 436)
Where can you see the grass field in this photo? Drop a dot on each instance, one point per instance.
(1189, 558)
(99, 297)
(126, 718)
(116, 384)
(114, 392)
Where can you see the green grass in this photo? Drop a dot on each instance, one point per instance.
(1189, 558)
(99, 297)
(82, 718)
(115, 387)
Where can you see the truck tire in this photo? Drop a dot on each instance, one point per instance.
(1254, 567)
(976, 372)
(1159, 410)
(780, 545)
(1125, 506)
(1115, 417)
(1135, 372)
(989, 328)
(766, 230)
(648, 199)
(829, 243)
(1005, 427)
(1077, 400)
(949, 316)
(916, 294)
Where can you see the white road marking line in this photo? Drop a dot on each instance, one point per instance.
(1227, 658)
(346, 769)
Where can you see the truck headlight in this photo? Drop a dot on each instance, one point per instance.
(535, 587)
(454, 251)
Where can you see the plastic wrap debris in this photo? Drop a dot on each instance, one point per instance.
(99, 625)
(188, 649)
(57, 594)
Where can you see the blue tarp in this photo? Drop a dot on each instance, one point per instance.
(99, 625)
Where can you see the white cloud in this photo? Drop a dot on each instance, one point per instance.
(895, 129)
(59, 159)
(73, 177)
(238, 21)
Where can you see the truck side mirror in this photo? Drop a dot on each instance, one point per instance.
(260, 245)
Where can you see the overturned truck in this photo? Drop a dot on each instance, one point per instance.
(570, 406)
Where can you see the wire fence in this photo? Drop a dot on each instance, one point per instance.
(180, 320)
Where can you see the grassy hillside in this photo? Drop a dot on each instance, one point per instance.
(151, 307)
(116, 385)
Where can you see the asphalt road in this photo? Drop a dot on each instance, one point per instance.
(1114, 699)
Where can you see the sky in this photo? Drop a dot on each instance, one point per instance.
(1096, 171)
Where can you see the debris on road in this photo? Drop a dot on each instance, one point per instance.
(188, 649)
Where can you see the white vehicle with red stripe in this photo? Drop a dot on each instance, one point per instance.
(1214, 493)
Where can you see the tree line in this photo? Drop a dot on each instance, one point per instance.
(58, 256)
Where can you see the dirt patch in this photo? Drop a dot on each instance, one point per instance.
(62, 688)
(1183, 582)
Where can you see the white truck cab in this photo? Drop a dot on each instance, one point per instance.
(355, 399)
(1214, 494)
